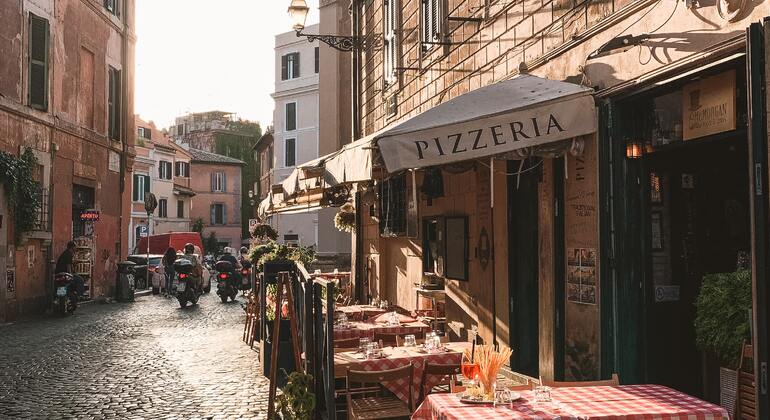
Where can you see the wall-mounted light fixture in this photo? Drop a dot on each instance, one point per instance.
(298, 11)
(634, 149)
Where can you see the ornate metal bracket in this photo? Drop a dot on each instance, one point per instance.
(338, 42)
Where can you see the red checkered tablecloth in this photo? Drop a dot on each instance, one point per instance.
(366, 329)
(632, 402)
(402, 356)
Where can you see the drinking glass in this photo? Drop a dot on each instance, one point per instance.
(409, 340)
(469, 370)
(363, 342)
(503, 396)
(542, 394)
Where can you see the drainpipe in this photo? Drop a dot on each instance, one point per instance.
(124, 120)
(354, 75)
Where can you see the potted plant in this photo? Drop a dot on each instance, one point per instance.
(345, 219)
(296, 402)
(722, 322)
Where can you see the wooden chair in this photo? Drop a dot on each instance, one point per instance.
(364, 403)
(443, 371)
(614, 381)
(746, 398)
(387, 339)
(346, 343)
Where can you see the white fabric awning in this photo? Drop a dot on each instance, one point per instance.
(519, 113)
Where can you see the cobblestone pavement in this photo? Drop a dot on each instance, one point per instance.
(149, 359)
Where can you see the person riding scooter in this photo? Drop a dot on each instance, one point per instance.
(245, 269)
(66, 278)
(229, 277)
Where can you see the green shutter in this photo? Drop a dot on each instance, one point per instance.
(146, 183)
(224, 214)
(136, 187)
(296, 65)
(38, 62)
(285, 67)
(213, 209)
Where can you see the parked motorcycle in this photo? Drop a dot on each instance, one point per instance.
(65, 295)
(186, 289)
(227, 284)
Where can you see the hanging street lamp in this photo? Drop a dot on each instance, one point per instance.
(298, 11)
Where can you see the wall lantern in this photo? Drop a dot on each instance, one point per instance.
(634, 149)
(298, 11)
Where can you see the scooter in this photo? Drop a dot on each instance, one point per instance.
(226, 281)
(186, 290)
(65, 295)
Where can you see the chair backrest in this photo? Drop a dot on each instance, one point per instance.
(346, 343)
(434, 369)
(614, 381)
(364, 378)
(746, 398)
(387, 339)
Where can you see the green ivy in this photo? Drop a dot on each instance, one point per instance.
(198, 225)
(21, 191)
(722, 315)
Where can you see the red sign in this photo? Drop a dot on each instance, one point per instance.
(89, 216)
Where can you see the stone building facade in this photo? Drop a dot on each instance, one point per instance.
(66, 93)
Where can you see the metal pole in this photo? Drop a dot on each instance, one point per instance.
(147, 268)
(492, 234)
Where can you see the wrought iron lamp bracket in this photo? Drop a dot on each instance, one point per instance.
(338, 42)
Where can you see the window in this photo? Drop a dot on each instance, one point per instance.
(390, 41)
(164, 170)
(112, 6)
(38, 62)
(180, 209)
(290, 153)
(218, 214)
(180, 130)
(291, 116)
(163, 207)
(433, 246)
(393, 206)
(113, 108)
(317, 60)
(432, 15)
(218, 182)
(291, 239)
(141, 186)
(290, 66)
(144, 133)
(182, 169)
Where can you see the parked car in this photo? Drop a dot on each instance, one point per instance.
(140, 270)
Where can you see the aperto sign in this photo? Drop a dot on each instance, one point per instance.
(89, 215)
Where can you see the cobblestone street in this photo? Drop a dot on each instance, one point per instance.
(149, 359)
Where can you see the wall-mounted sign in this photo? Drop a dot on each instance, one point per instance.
(666, 294)
(89, 215)
(143, 231)
(708, 106)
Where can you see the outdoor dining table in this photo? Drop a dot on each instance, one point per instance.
(359, 312)
(396, 357)
(367, 329)
(583, 403)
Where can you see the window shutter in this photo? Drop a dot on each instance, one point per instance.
(317, 60)
(435, 27)
(38, 62)
(285, 67)
(146, 183)
(176, 168)
(224, 182)
(136, 188)
(295, 64)
(224, 214)
(113, 106)
(291, 116)
(213, 208)
(213, 181)
(148, 133)
(160, 170)
(425, 21)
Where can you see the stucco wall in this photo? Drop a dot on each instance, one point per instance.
(200, 182)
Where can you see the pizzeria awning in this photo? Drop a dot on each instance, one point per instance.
(523, 112)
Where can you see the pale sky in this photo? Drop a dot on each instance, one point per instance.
(202, 55)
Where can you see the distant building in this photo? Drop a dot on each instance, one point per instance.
(217, 185)
(222, 133)
(163, 168)
(296, 139)
(263, 153)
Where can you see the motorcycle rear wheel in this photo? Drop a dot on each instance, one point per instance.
(182, 303)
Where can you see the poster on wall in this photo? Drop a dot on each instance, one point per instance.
(709, 105)
(10, 281)
(581, 275)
